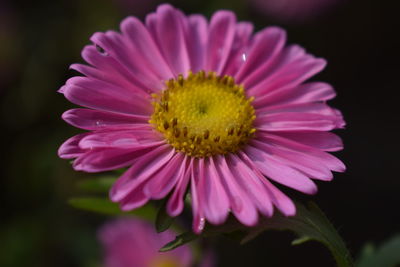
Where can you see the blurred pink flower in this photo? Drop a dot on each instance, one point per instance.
(294, 10)
(132, 242)
(187, 103)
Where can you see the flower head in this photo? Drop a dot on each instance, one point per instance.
(133, 242)
(210, 106)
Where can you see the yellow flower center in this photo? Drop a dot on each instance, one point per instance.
(204, 114)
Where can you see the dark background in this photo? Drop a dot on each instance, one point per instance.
(40, 39)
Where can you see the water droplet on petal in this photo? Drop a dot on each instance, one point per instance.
(101, 50)
(98, 123)
(244, 57)
(202, 223)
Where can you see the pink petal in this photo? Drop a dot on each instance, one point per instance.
(109, 77)
(240, 203)
(321, 140)
(119, 47)
(264, 48)
(317, 108)
(304, 93)
(320, 158)
(144, 49)
(108, 151)
(280, 200)
(299, 161)
(131, 139)
(175, 203)
(104, 96)
(163, 182)
(151, 25)
(143, 169)
(135, 199)
(197, 200)
(251, 184)
(220, 38)
(197, 36)
(291, 69)
(297, 122)
(169, 33)
(70, 148)
(216, 203)
(282, 57)
(89, 119)
(238, 55)
(268, 165)
(110, 70)
(107, 159)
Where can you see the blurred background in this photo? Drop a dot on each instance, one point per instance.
(40, 39)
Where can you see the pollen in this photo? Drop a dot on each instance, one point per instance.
(204, 114)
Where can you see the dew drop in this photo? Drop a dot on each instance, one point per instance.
(202, 223)
(244, 57)
(101, 50)
(99, 123)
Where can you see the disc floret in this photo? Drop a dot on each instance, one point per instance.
(204, 114)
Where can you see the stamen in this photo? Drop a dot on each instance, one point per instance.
(166, 125)
(206, 134)
(174, 122)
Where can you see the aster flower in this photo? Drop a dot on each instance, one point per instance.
(208, 107)
(133, 242)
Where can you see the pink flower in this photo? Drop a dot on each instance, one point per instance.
(294, 10)
(133, 242)
(210, 106)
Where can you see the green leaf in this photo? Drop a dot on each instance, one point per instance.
(301, 240)
(163, 220)
(180, 240)
(97, 185)
(98, 205)
(105, 206)
(309, 223)
(387, 255)
(120, 171)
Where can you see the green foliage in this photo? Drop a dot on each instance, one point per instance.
(99, 185)
(105, 206)
(163, 220)
(387, 255)
(102, 204)
(309, 224)
(180, 240)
